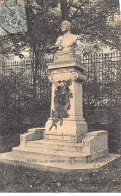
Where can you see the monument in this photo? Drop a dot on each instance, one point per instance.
(66, 75)
(64, 143)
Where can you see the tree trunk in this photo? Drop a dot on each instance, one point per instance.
(34, 74)
(64, 10)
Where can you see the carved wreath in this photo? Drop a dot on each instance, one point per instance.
(61, 103)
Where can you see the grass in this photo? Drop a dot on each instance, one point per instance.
(20, 179)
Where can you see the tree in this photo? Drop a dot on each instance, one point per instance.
(91, 20)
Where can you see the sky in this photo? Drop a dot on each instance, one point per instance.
(120, 5)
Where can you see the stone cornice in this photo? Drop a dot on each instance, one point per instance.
(73, 76)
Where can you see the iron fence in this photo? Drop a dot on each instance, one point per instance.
(102, 90)
(26, 81)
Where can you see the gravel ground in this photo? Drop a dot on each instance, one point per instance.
(20, 179)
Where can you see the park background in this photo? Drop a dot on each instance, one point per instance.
(24, 85)
(25, 89)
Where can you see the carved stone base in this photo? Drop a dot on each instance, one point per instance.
(69, 126)
(58, 152)
(67, 67)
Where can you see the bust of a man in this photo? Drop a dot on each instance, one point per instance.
(66, 41)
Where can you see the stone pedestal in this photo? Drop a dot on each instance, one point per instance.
(67, 67)
(66, 146)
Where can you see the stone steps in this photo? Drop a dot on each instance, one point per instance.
(58, 152)
(50, 155)
(56, 145)
(12, 158)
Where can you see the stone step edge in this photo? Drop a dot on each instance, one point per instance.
(60, 133)
(49, 166)
(78, 155)
(61, 167)
(53, 142)
(56, 149)
(59, 153)
(62, 140)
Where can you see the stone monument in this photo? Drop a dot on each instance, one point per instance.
(64, 143)
(67, 68)
(66, 72)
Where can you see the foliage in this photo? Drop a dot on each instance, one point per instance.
(92, 21)
(114, 128)
(19, 110)
(61, 102)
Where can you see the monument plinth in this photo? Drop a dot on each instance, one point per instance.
(67, 68)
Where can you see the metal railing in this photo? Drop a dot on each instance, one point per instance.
(28, 83)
